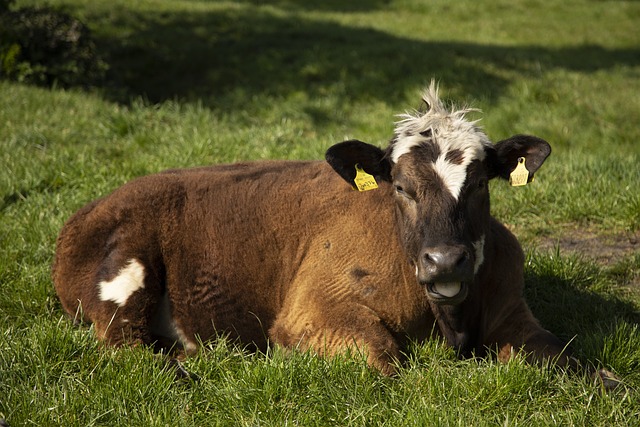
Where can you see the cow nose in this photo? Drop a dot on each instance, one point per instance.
(447, 263)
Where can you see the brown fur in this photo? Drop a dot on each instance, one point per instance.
(281, 252)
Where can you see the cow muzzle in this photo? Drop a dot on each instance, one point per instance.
(446, 273)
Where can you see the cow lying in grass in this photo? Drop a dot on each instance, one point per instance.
(288, 253)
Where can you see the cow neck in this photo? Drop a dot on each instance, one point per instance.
(454, 327)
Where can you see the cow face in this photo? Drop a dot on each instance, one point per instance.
(438, 165)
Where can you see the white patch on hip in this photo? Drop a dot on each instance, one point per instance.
(479, 247)
(130, 278)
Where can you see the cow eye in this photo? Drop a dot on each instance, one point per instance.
(482, 184)
(400, 191)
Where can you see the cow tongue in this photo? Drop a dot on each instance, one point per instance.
(447, 289)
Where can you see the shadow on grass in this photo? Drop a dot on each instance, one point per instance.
(326, 5)
(226, 57)
(568, 309)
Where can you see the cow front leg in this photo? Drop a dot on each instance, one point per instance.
(520, 332)
(338, 330)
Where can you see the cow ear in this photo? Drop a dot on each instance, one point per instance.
(503, 157)
(344, 156)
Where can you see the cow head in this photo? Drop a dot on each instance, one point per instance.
(439, 164)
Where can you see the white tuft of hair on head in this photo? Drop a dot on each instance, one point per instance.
(449, 129)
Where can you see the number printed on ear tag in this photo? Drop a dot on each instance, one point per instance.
(364, 181)
(520, 175)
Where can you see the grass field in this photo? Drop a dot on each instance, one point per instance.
(202, 82)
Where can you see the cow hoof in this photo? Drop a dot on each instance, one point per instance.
(4, 423)
(180, 372)
(606, 379)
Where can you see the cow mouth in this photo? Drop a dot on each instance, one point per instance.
(449, 293)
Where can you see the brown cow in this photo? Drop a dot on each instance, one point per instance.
(288, 253)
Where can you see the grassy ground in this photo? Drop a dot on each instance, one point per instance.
(201, 82)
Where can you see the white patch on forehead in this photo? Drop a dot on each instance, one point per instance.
(479, 247)
(453, 175)
(450, 131)
(130, 278)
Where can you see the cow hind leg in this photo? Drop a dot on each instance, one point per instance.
(126, 303)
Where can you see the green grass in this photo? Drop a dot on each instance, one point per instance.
(203, 82)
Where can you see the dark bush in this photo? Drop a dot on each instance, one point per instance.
(5, 4)
(45, 46)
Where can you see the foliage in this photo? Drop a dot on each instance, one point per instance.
(46, 47)
(5, 5)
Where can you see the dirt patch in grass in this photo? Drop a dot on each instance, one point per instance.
(619, 254)
(604, 249)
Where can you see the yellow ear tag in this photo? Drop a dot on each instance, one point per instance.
(364, 181)
(520, 175)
